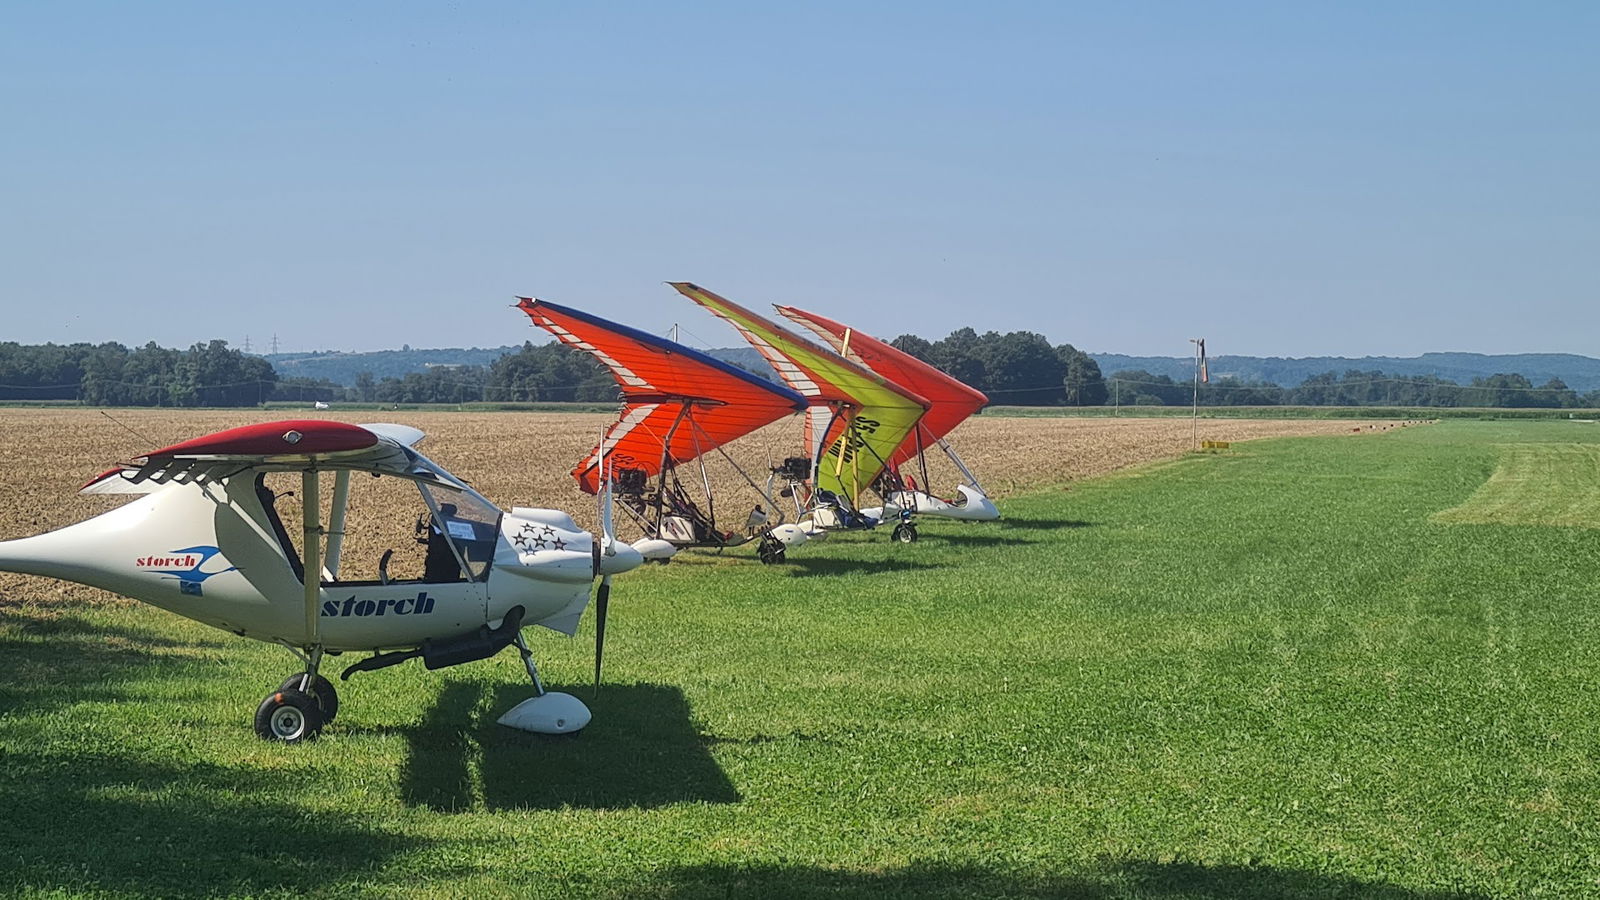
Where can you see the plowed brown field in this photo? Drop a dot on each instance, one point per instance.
(523, 459)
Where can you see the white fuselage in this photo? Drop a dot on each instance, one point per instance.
(210, 552)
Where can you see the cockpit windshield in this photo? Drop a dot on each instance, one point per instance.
(461, 516)
(377, 532)
(468, 522)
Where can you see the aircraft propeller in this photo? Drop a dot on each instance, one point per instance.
(602, 597)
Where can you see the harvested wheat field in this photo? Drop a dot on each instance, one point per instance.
(524, 459)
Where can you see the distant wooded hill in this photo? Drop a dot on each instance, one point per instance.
(1581, 373)
(343, 368)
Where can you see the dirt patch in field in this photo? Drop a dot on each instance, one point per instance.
(524, 459)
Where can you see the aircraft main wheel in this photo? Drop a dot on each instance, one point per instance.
(320, 688)
(771, 550)
(289, 716)
(905, 533)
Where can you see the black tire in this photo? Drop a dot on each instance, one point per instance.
(905, 533)
(770, 551)
(320, 688)
(289, 716)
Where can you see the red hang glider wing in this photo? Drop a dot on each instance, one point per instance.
(677, 402)
(951, 401)
(285, 446)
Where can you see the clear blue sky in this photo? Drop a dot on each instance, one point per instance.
(1281, 178)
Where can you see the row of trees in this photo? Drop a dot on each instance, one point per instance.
(1019, 368)
(1136, 387)
(111, 374)
(211, 374)
(1022, 368)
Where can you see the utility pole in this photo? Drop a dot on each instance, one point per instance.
(1199, 363)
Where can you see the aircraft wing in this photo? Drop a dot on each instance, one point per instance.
(951, 401)
(874, 414)
(287, 446)
(677, 402)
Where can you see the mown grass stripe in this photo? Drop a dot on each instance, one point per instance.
(1536, 484)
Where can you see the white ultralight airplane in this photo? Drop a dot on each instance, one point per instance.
(205, 541)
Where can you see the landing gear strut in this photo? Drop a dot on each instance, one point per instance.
(300, 706)
(547, 712)
(770, 551)
(318, 687)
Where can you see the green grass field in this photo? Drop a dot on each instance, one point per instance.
(1278, 671)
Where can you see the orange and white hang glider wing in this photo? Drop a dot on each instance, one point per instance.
(678, 403)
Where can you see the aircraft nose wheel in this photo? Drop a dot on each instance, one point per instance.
(290, 716)
(905, 533)
(770, 550)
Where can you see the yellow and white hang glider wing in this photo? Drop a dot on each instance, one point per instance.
(871, 415)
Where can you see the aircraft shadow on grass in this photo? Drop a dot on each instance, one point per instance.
(641, 750)
(1040, 524)
(83, 818)
(85, 821)
(75, 661)
(970, 539)
(816, 566)
(1114, 881)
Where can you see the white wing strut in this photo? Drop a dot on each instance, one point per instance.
(311, 526)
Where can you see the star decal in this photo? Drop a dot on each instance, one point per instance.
(524, 537)
(532, 538)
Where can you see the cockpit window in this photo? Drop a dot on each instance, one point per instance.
(424, 527)
(468, 522)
